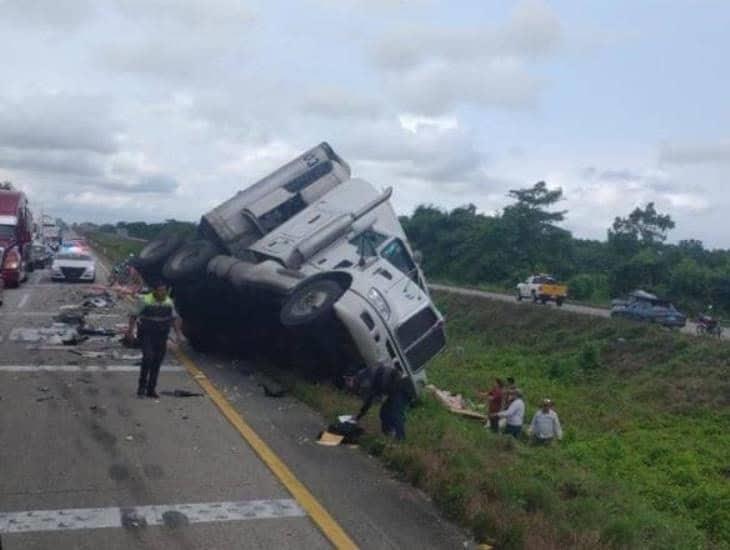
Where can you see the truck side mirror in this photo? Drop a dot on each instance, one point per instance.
(418, 256)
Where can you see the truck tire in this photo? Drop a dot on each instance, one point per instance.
(519, 296)
(534, 297)
(155, 253)
(310, 301)
(190, 261)
(559, 302)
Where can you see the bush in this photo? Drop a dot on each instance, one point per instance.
(588, 358)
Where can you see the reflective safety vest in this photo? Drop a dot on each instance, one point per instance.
(154, 314)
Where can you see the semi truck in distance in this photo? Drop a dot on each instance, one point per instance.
(16, 236)
(312, 255)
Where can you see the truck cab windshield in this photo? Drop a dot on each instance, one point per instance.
(397, 254)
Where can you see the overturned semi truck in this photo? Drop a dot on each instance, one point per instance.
(306, 256)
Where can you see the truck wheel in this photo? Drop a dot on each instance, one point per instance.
(559, 302)
(310, 301)
(534, 297)
(519, 296)
(190, 261)
(156, 252)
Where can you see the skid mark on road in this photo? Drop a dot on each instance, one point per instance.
(139, 517)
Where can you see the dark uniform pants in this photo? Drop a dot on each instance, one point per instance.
(154, 346)
(393, 415)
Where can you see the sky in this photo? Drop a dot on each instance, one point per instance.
(152, 109)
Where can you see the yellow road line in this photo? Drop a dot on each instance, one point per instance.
(326, 523)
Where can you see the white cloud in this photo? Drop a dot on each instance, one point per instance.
(59, 121)
(433, 69)
(698, 153)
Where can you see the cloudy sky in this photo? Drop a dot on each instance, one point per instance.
(148, 109)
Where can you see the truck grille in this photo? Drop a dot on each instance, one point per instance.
(419, 354)
(416, 326)
(72, 273)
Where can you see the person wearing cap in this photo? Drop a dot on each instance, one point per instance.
(545, 426)
(514, 414)
(154, 317)
(382, 381)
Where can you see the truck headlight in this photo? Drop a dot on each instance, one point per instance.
(378, 301)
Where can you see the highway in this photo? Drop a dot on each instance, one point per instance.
(690, 328)
(88, 465)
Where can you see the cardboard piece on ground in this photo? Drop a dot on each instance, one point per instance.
(329, 439)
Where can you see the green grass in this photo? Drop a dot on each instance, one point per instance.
(645, 462)
(113, 247)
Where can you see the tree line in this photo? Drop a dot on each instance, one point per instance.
(466, 247)
(148, 231)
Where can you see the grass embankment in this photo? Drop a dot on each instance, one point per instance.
(646, 458)
(113, 247)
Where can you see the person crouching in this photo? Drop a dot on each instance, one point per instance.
(376, 382)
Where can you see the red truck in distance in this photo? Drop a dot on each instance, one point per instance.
(16, 235)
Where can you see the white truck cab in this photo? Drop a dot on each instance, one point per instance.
(314, 244)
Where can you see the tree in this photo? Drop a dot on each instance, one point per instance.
(533, 238)
(647, 226)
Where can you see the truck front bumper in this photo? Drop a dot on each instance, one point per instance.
(11, 277)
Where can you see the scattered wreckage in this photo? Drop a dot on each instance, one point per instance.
(306, 256)
(70, 331)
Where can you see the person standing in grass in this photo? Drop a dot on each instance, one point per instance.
(495, 403)
(514, 414)
(545, 426)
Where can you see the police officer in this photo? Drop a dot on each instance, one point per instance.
(154, 317)
(382, 381)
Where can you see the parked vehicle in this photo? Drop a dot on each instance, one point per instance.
(41, 256)
(16, 235)
(51, 233)
(73, 267)
(646, 307)
(542, 288)
(318, 257)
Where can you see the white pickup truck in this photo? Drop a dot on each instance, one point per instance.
(542, 288)
(306, 254)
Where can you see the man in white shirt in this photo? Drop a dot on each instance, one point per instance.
(514, 414)
(545, 426)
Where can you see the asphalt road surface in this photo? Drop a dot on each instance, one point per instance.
(690, 328)
(87, 465)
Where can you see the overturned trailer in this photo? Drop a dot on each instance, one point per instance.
(307, 257)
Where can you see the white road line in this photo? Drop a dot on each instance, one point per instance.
(142, 516)
(82, 368)
(23, 300)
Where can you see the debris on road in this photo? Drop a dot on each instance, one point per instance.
(44, 398)
(341, 433)
(329, 439)
(56, 334)
(274, 389)
(181, 393)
